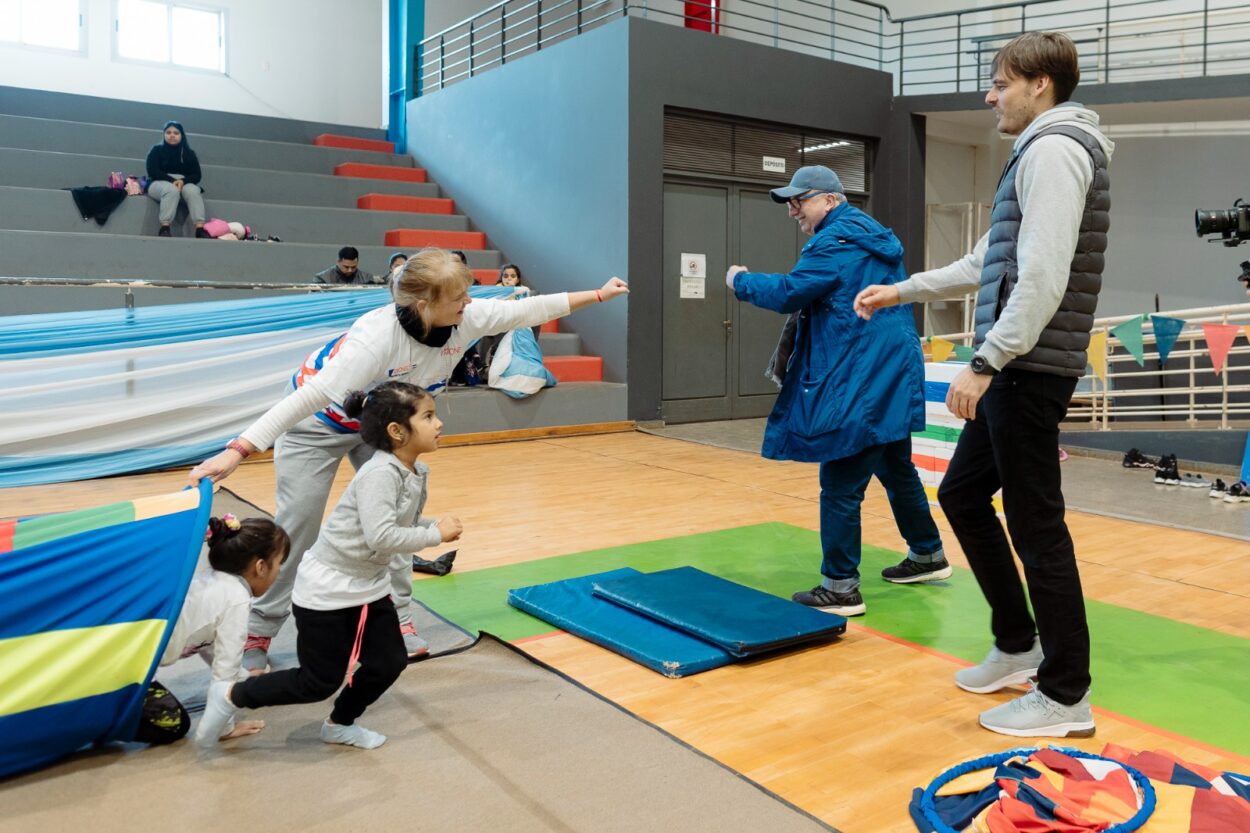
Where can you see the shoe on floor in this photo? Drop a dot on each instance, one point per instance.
(202, 234)
(909, 571)
(1000, 669)
(1239, 492)
(1195, 481)
(822, 598)
(256, 653)
(1034, 715)
(164, 232)
(1218, 489)
(413, 644)
(354, 735)
(1166, 472)
(1134, 459)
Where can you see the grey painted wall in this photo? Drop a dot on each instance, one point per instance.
(535, 153)
(671, 66)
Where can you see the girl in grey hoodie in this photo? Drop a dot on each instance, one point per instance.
(342, 596)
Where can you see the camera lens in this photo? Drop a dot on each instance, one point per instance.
(1218, 221)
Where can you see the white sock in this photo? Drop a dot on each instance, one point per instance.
(354, 735)
(218, 713)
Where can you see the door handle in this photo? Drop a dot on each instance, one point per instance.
(729, 326)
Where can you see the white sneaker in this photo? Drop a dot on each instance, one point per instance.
(1034, 715)
(1000, 669)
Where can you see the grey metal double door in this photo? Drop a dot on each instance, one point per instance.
(716, 348)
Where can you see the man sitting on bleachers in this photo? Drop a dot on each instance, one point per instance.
(345, 270)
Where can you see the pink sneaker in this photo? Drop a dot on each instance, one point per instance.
(256, 653)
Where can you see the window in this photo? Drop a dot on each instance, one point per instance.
(168, 33)
(53, 24)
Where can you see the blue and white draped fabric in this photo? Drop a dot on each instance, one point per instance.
(103, 392)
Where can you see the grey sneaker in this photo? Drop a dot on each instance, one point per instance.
(999, 670)
(1034, 715)
(822, 598)
(256, 653)
(413, 644)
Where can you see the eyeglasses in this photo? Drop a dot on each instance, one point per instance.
(795, 203)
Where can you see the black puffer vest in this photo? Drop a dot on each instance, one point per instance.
(1061, 347)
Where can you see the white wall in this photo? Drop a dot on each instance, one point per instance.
(315, 60)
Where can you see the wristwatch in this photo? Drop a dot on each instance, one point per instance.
(980, 366)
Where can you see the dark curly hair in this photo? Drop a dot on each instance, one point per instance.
(388, 402)
(234, 550)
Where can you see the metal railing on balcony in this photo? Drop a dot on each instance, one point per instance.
(1119, 40)
(1185, 387)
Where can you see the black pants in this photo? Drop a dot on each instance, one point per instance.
(1014, 444)
(324, 646)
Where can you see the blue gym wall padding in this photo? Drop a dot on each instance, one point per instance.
(570, 604)
(742, 620)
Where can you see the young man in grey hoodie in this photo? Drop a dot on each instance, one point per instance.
(1037, 274)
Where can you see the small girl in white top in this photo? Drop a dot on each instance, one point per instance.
(342, 601)
(245, 557)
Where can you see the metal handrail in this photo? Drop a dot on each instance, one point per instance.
(1105, 400)
(934, 52)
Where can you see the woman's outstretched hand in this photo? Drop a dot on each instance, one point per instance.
(216, 468)
(615, 286)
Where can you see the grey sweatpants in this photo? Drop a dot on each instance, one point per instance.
(168, 196)
(305, 460)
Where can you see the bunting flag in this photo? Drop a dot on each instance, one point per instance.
(1129, 334)
(1220, 339)
(1097, 354)
(964, 354)
(88, 600)
(1166, 331)
(941, 349)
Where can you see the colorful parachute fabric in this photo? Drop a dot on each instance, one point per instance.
(87, 602)
(1063, 791)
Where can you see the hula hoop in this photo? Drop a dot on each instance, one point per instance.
(929, 811)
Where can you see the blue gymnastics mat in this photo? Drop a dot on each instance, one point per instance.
(570, 604)
(743, 621)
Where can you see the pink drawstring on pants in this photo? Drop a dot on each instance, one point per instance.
(360, 638)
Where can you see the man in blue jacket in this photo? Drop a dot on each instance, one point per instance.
(853, 390)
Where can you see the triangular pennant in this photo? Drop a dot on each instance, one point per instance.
(941, 349)
(964, 354)
(1166, 330)
(1220, 339)
(1129, 334)
(1097, 354)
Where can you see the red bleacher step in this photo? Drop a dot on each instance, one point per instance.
(392, 172)
(395, 202)
(331, 140)
(486, 277)
(552, 326)
(415, 238)
(575, 368)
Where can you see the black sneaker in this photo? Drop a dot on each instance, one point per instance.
(1166, 472)
(908, 571)
(1218, 489)
(164, 232)
(202, 234)
(843, 604)
(1134, 459)
(1239, 492)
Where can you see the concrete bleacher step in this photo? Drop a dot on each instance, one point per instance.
(44, 169)
(416, 238)
(331, 140)
(560, 344)
(391, 173)
(20, 101)
(480, 409)
(395, 202)
(575, 368)
(43, 209)
(111, 140)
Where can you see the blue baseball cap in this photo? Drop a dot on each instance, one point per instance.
(810, 178)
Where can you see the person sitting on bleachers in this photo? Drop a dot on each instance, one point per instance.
(174, 174)
(346, 271)
(396, 265)
(510, 275)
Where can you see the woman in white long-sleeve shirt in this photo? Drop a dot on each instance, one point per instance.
(419, 339)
